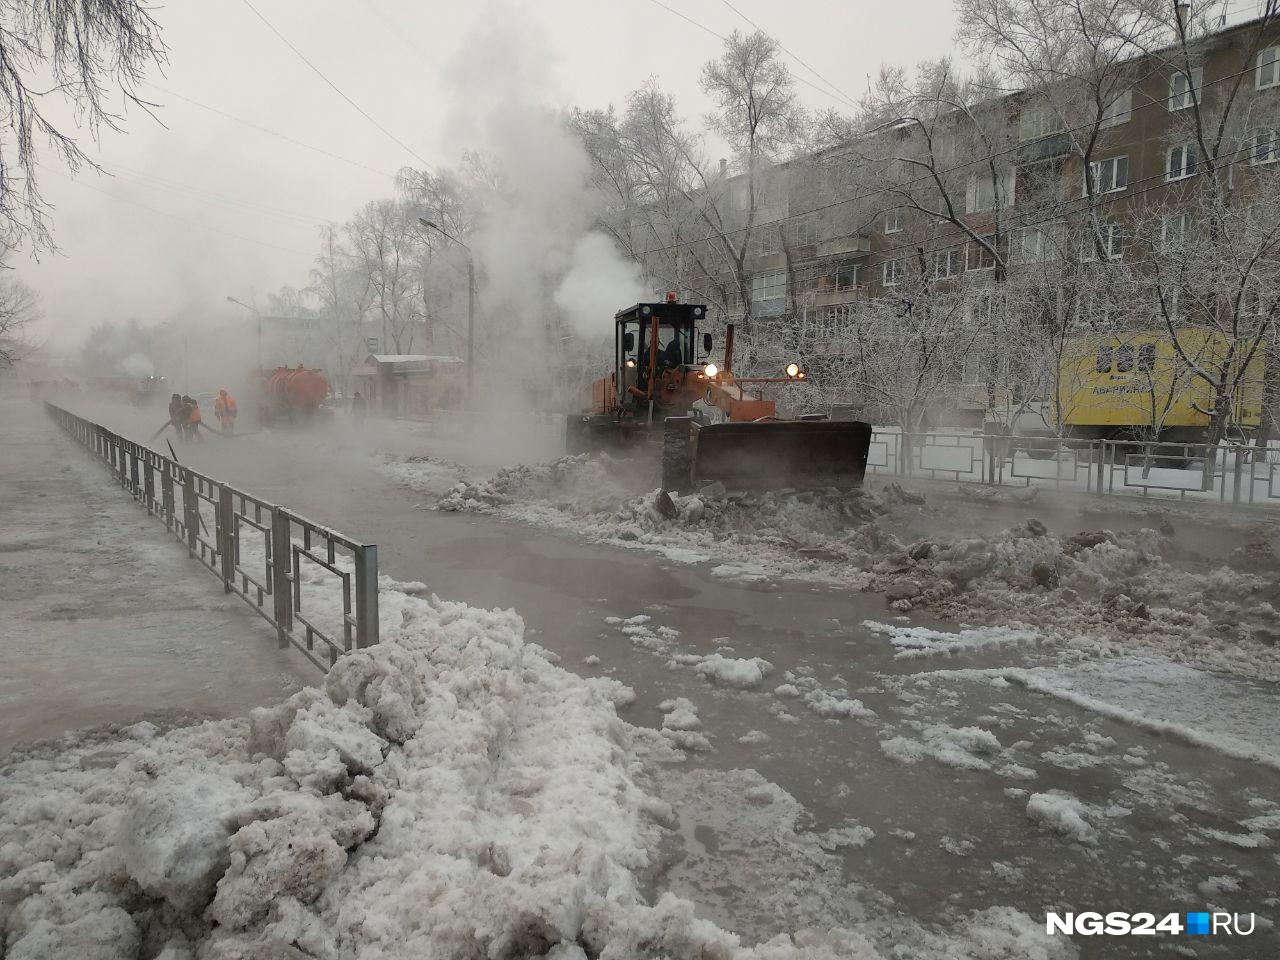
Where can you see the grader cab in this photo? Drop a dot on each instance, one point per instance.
(710, 424)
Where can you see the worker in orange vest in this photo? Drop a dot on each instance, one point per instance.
(192, 419)
(224, 408)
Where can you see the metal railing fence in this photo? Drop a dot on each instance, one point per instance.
(1239, 475)
(272, 558)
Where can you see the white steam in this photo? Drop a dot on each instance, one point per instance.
(597, 284)
(549, 284)
(137, 365)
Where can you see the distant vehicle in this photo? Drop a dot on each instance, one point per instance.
(151, 391)
(1133, 385)
(292, 395)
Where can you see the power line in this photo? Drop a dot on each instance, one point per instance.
(173, 216)
(291, 217)
(334, 87)
(722, 38)
(273, 133)
(794, 56)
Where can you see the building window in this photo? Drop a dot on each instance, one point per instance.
(981, 194)
(1117, 111)
(847, 275)
(947, 263)
(1147, 358)
(1266, 146)
(1124, 358)
(1180, 162)
(894, 272)
(1174, 230)
(1109, 234)
(1268, 68)
(980, 257)
(1184, 89)
(1036, 122)
(1110, 175)
(769, 293)
(893, 220)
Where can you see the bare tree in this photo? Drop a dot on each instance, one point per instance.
(19, 308)
(757, 113)
(70, 51)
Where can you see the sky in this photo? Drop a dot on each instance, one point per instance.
(199, 207)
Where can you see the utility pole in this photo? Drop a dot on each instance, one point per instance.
(471, 307)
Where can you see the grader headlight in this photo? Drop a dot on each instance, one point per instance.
(793, 370)
(711, 370)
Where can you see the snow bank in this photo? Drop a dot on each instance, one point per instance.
(449, 792)
(755, 536)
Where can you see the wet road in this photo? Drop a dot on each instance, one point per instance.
(948, 839)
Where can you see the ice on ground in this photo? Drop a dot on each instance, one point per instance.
(742, 572)
(962, 747)
(1232, 717)
(681, 714)
(957, 848)
(851, 835)
(732, 672)
(752, 737)
(825, 704)
(913, 642)
(1063, 814)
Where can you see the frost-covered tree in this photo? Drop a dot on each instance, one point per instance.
(19, 308)
(76, 53)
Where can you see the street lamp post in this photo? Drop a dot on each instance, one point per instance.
(258, 316)
(471, 305)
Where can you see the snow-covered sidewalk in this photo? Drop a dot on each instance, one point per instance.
(102, 618)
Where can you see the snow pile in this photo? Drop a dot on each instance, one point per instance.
(448, 792)
(432, 476)
(826, 705)
(731, 672)
(577, 486)
(1063, 814)
(681, 725)
(825, 534)
(962, 747)
(1119, 589)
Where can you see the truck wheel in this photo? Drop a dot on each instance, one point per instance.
(677, 472)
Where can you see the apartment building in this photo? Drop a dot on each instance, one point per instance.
(1052, 178)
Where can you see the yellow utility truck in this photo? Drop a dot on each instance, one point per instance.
(1135, 385)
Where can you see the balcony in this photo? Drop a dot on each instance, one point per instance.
(1049, 147)
(858, 244)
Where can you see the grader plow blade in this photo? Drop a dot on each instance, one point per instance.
(766, 454)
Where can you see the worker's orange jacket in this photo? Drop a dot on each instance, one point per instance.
(193, 413)
(224, 408)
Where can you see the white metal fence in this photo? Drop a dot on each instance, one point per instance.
(1236, 474)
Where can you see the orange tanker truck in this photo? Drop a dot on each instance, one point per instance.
(706, 420)
(293, 395)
